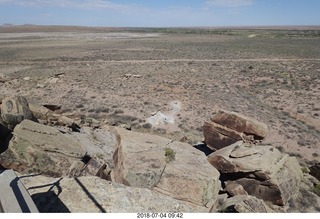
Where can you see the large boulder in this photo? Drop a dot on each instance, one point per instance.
(217, 136)
(226, 128)
(14, 110)
(39, 148)
(172, 168)
(95, 195)
(263, 171)
(241, 123)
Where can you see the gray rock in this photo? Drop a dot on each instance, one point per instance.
(94, 195)
(172, 168)
(14, 110)
(234, 188)
(39, 148)
(263, 171)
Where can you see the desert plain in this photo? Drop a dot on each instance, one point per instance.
(169, 81)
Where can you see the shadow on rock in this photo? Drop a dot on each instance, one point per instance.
(49, 202)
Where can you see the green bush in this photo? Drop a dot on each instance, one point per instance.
(305, 170)
(170, 155)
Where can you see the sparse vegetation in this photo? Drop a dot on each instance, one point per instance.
(305, 170)
(170, 155)
(269, 74)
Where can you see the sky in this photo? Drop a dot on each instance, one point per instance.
(160, 13)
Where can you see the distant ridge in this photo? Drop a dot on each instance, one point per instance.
(11, 28)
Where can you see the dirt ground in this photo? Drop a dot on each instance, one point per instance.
(169, 82)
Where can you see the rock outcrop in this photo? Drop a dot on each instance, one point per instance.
(14, 110)
(226, 128)
(263, 171)
(95, 195)
(172, 168)
(39, 148)
(244, 204)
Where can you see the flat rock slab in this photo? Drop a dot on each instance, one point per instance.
(172, 168)
(95, 195)
(39, 148)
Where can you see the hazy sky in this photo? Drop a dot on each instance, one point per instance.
(160, 13)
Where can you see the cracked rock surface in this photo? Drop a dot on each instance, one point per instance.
(140, 161)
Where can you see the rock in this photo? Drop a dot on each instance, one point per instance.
(39, 148)
(3, 80)
(27, 78)
(306, 200)
(234, 188)
(315, 170)
(100, 144)
(241, 123)
(251, 204)
(244, 204)
(217, 136)
(40, 85)
(14, 110)
(75, 169)
(95, 195)
(53, 80)
(52, 107)
(227, 127)
(262, 170)
(172, 168)
(40, 112)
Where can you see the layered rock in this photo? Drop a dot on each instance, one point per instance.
(244, 204)
(14, 110)
(241, 123)
(95, 195)
(226, 128)
(39, 148)
(263, 171)
(172, 168)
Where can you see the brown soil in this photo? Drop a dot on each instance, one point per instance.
(127, 77)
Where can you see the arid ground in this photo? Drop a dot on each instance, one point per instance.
(169, 81)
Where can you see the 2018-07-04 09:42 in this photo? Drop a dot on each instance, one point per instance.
(159, 215)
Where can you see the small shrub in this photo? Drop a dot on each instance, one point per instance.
(118, 111)
(147, 125)
(170, 155)
(305, 170)
(80, 105)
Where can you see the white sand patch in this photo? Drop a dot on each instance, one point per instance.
(166, 120)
